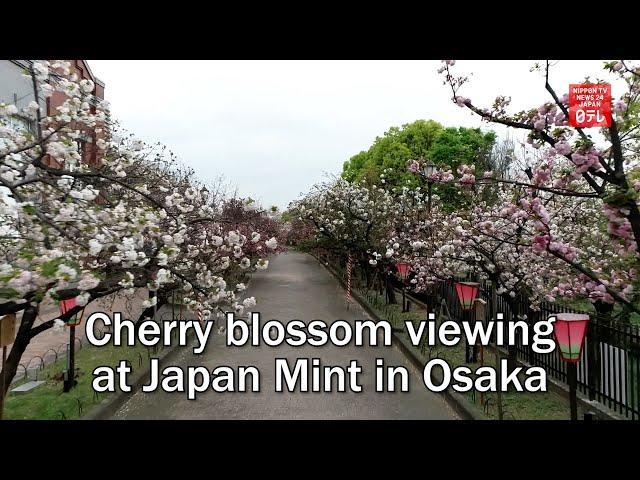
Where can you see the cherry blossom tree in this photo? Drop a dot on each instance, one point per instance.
(356, 219)
(584, 178)
(488, 242)
(136, 218)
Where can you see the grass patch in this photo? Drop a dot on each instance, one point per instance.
(48, 402)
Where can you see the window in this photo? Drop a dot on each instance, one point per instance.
(21, 124)
(82, 147)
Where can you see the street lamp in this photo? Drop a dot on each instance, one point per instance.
(69, 377)
(66, 305)
(467, 293)
(428, 170)
(403, 273)
(569, 330)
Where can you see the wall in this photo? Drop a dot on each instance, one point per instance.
(12, 81)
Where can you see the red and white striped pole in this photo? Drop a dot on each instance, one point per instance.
(349, 267)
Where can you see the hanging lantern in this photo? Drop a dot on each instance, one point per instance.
(569, 330)
(467, 293)
(66, 305)
(403, 270)
(7, 329)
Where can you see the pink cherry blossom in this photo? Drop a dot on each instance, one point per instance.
(540, 124)
(619, 106)
(460, 101)
(414, 166)
(562, 147)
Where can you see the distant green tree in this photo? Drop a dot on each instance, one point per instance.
(392, 151)
(457, 146)
(446, 147)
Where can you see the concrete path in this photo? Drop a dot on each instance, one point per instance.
(294, 287)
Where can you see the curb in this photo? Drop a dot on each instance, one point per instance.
(463, 407)
(111, 404)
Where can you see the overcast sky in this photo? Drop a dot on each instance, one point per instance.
(273, 128)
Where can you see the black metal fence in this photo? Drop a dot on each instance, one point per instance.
(609, 371)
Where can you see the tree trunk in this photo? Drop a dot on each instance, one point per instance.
(603, 312)
(512, 350)
(494, 311)
(20, 344)
(597, 333)
(367, 274)
(391, 293)
(634, 220)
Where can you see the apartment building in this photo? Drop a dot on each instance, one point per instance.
(17, 89)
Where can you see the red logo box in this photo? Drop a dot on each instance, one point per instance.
(590, 105)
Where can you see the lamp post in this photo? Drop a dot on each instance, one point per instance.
(569, 330)
(69, 377)
(403, 273)
(428, 170)
(467, 293)
(480, 310)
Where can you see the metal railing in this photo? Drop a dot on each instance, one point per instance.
(609, 370)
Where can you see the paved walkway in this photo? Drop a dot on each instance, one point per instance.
(294, 287)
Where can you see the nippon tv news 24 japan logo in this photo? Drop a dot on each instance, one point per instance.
(590, 105)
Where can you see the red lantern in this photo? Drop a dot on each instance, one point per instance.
(467, 293)
(569, 330)
(403, 270)
(66, 305)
